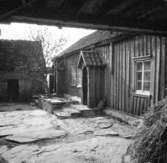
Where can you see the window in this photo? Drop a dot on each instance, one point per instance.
(73, 76)
(143, 73)
(79, 78)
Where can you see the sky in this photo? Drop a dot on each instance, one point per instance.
(20, 31)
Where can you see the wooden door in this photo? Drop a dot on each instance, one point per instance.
(84, 86)
(13, 90)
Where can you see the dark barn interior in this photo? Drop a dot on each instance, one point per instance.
(135, 15)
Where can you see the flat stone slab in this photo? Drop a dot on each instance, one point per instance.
(123, 117)
(35, 136)
(62, 114)
(56, 100)
(66, 112)
(105, 133)
(85, 142)
(80, 107)
(73, 99)
(104, 125)
(3, 149)
(99, 150)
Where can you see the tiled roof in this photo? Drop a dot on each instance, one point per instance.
(91, 39)
(90, 58)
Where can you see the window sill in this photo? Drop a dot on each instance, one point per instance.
(144, 93)
(142, 58)
(76, 86)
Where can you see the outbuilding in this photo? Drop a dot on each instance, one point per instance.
(22, 69)
(128, 70)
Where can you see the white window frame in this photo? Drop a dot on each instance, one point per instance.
(142, 92)
(73, 76)
(79, 78)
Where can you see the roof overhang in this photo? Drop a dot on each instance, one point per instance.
(90, 59)
(130, 15)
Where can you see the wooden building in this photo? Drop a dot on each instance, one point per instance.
(22, 68)
(128, 70)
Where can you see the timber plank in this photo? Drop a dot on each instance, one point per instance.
(127, 77)
(121, 70)
(119, 77)
(132, 75)
(157, 67)
(153, 68)
(165, 66)
(123, 75)
(114, 77)
(117, 69)
(162, 68)
(111, 74)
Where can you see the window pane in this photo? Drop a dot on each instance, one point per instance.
(138, 85)
(139, 66)
(147, 76)
(79, 77)
(139, 76)
(146, 86)
(147, 65)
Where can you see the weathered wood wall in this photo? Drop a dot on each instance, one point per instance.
(72, 76)
(95, 85)
(120, 55)
(106, 55)
(120, 85)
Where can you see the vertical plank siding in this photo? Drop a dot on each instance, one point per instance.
(118, 81)
(70, 87)
(120, 78)
(106, 55)
(140, 104)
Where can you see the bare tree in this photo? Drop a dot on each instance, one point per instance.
(51, 46)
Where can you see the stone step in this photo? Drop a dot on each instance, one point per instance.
(64, 108)
(75, 111)
(67, 113)
(51, 104)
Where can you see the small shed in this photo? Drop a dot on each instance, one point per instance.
(92, 67)
(60, 74)
(22, 69)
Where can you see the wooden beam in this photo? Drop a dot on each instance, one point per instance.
(43, 14)
(87, 25)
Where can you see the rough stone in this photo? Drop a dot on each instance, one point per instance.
(104, 125)
(3, 149)
(106, 133)
(85, 142)
(28, 137)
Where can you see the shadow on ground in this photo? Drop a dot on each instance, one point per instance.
(2, 160)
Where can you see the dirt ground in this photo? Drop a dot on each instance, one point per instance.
(31, 135)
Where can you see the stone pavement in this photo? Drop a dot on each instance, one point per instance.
(31, 135)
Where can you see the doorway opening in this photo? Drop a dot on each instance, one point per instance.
(13, 90)
(84, 85)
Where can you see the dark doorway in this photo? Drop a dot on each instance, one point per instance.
(51, 81)
(84, 85)
(13, 90)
